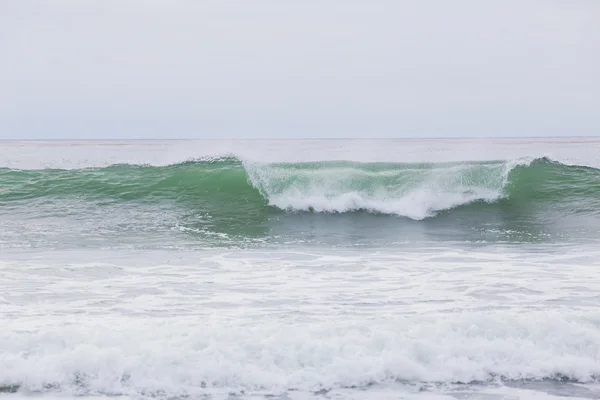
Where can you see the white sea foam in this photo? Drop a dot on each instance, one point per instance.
(195, 356)
(296, 318)
(416, 205)
(274, 321)
(404, 190)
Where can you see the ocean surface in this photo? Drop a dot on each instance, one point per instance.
(300, 269)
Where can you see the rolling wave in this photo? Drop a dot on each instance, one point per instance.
(229, 185)
(200, 360)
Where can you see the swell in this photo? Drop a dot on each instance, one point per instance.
(228, 185)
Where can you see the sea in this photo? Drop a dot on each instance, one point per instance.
(300, 269)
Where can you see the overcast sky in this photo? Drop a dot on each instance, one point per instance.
(285, 69)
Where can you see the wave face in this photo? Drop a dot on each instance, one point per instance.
(416, 191)
(227, 195)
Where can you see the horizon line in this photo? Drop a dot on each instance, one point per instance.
(304, 138)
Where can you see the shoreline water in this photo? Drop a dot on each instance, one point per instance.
(136, 291)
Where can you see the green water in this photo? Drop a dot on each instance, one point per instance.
(228, 202)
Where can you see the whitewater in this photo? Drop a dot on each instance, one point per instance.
(314, 269)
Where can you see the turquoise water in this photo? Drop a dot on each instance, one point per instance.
(227, 202)
(300, 269)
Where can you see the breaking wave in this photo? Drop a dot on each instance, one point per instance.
(191, 357)
(415, 191)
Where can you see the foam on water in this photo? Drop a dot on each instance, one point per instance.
(112, 284)
(279, 322)
(187, 356)
(413, 191)
(418, 204)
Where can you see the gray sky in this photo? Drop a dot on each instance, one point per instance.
(284, 69)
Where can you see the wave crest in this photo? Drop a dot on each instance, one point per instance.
(228, 185)
(416, 191)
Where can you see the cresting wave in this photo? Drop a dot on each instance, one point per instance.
(416, 191)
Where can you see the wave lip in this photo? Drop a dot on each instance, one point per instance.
(416, 191)
(420, 191)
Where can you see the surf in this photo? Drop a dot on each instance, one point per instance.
(416, 191)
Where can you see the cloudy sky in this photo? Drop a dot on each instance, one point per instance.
(285, 69)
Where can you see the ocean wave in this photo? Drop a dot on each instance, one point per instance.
(413, 190)
(416, 191)
(189, 357)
